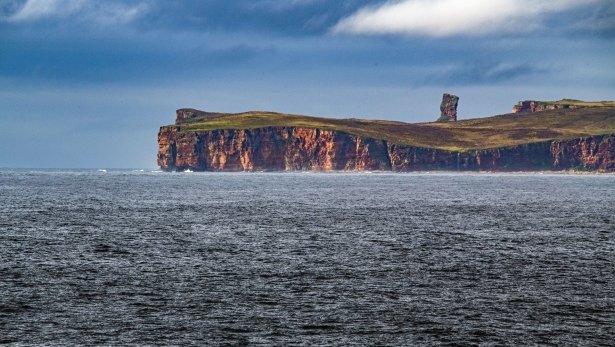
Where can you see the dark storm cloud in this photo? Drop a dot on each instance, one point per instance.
(601, 21)
(485, 73)
(287, 18)
(106, 59)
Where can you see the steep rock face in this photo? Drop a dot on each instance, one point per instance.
(448, 108)
(167, 147)
(270, 149)
(529, 106)
(524, 157)
(293, 148)
(589, 153)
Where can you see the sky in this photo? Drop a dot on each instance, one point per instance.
(88, 83)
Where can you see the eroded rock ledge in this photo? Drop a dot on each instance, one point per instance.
(530, 106)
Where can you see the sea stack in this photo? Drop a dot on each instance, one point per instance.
(448, 108)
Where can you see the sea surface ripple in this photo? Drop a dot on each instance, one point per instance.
(148, 258)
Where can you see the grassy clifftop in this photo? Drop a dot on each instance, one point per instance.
(580, 103)
(478, 133)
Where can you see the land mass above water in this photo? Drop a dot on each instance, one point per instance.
(556, 135)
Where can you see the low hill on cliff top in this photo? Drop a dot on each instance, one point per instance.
(479, 133)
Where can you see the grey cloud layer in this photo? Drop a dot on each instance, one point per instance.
(103, 75)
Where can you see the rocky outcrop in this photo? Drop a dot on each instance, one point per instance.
(296, 148)
(529, 106)
(589, 153)
(184, 115)
(448, 108)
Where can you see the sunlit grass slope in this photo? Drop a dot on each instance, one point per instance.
(574, 102)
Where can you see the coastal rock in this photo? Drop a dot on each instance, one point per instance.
(167, 147)
(448, 108)
(184, 114)
(588, 153)
(297, 148)
(269, 149)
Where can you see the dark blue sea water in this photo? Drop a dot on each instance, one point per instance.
(146, 258)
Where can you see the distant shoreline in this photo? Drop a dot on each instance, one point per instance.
(311, 172)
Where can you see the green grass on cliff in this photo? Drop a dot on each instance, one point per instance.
(478, 133)
(574, 102)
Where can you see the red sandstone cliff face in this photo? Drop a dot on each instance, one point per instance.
(269, 149)
(292, 149)
(590, 153)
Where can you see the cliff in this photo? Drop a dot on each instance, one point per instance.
(582, 139)
(291, 149)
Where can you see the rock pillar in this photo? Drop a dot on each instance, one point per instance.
(448, 108)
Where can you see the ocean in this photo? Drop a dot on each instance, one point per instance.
(148, 258)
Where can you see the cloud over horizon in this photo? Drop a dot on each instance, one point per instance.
(441, 18)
